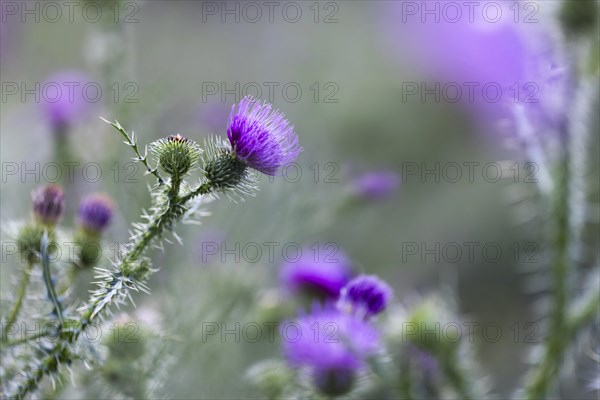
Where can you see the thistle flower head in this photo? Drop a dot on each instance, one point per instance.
(176, 154)
(261, 136)
(365, 295)
(322, 276)
(333, 345)
(48, 204)
(95, 213)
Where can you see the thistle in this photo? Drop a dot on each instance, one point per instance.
(225, 168)
(261, 136)
(260, 139)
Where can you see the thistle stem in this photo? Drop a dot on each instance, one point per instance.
(96, 305)
(22, 340)
(21, 290)
(48, 279)
(588, 310)
(558, 336)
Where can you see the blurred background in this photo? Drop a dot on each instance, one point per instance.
(396, 172)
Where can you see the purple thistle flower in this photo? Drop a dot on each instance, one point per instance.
(317, 274)
(64, 99)
(376, 185)
(48, 204)
(95, 213)
(333, 345)
(365, 295)
(261, 136)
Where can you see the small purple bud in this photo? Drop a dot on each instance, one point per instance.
(376, 185)
(365, 295)
(48, 204)
(95, 213)
(261, 136)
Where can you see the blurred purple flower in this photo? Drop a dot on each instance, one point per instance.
(95, 213)
(262, 137)
(481, 54)
(317, 273)
(64, 98)
(332, 344)
(376, 184)
(48, 204)
(365, 296)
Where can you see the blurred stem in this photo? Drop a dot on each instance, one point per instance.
(21, 290)
(557, 340)
(64, 157)
(584, 314)
(405, 382)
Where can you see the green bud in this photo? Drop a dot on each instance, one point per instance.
(29, 241)
(177, 155)
(225, 170)
(427, 328)
(89, 248)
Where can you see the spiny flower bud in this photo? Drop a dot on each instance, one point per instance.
(95, 213)
(48, 204)
(225, 170)
(176, 154)
(30, 242)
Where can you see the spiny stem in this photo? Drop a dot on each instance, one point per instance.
(96, 306)
(130, 141)
(21, 290)
(48, 278)
(25, 339)
(586, 312)
(557, 340)
(202, 189)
